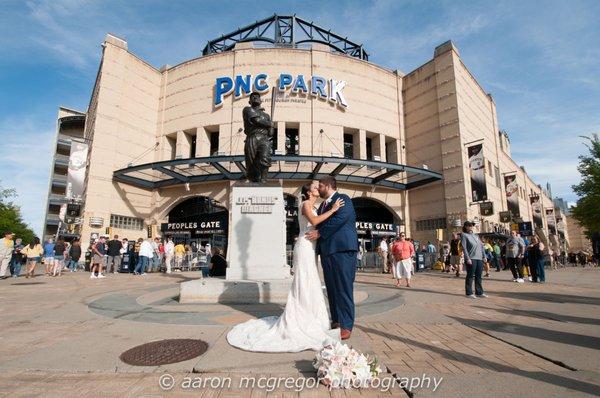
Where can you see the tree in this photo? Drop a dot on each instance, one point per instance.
(10, 216)
(587, 210)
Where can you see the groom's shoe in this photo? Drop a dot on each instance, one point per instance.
(345, 334)
(335, 325)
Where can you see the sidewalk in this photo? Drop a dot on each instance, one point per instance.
(525, 339)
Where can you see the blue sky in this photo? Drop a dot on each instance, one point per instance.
(539, 59)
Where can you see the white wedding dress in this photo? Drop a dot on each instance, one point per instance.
(304, 324)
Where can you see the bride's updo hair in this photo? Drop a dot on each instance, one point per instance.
(306, 191)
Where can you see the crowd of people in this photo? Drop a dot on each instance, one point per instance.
(474, 255)
(154, 255)
(108, 256)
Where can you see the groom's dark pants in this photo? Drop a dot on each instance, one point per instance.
(339, 270)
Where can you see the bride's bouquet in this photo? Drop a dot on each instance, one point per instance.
(339, 366)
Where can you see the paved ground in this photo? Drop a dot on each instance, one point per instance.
(63, 337)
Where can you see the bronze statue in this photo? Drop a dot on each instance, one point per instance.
(258, 128)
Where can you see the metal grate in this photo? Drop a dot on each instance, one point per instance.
(163, 352)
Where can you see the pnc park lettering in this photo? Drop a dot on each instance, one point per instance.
(317, 86)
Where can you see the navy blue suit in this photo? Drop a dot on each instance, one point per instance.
(338, 246)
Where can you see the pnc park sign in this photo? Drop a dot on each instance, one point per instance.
(317, 86)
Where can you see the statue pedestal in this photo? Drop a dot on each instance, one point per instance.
(256, 255)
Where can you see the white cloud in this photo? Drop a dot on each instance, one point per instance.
(25, 161)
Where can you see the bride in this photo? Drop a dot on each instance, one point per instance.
(304, 324)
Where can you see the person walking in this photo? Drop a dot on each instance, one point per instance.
(17, 260)
(145, 256)
(383, 252)
(488, 256)
(403, 252)
(114, 255)
(179, 255)
(98, 253)
(497, 254)
(536, 260)
(218, 264)
(169, 253)
(49, 255)
(515, 248)
(208, 250)
(473, 252)
(6, 251)
(455, 254)
(74, 255)
(33, 253)
(161, 255)
(155, 262)
(59, 257)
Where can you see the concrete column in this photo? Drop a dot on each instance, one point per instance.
(225, 138)
(182, 149)
(281, 137)
(393, 156)
(166, 148)
(305, 139)
(202, 143)
(379, 147)
(362, 144)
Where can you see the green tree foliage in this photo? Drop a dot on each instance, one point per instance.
(10, 217)
(587, 211)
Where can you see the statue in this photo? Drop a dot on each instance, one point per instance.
(258, 128)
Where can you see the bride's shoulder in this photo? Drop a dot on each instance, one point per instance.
(305, 204)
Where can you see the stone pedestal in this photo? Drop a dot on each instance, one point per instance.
(257, 271)
(256, 245)
(213, 290)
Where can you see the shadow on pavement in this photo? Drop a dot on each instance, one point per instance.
(580, 340)
(546, 315)
(550, 378)
(550, 297)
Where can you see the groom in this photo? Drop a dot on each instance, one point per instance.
(337, 243)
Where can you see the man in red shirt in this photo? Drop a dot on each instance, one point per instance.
(402, 250)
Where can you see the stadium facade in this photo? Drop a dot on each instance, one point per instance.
(420, 152)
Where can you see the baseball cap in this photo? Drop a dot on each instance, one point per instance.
(469, 223)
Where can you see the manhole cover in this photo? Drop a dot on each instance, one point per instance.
(164, 351)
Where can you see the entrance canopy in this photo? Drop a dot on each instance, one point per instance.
(288, 167)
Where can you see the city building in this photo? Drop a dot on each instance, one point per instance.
(420, 152)
(578, 240)
(69, 127)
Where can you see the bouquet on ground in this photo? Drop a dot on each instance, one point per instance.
(340, 366)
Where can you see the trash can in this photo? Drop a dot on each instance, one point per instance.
(420, 262)
(126, 263)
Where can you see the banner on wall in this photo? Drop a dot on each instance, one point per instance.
(536, 206)
(477, 168)
(76, 171)
(551, 220)
(504, 216)
(512, 195)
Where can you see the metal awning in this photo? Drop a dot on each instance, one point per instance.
(287, 167)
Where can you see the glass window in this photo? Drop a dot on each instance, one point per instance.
(431, 224)
(214, 143)
(124, 222)
(193, 147)
(348, 146)
(369, 148)
(291, 141)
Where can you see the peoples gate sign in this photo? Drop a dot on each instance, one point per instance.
(317, 86)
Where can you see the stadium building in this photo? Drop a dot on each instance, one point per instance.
(420, 152)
